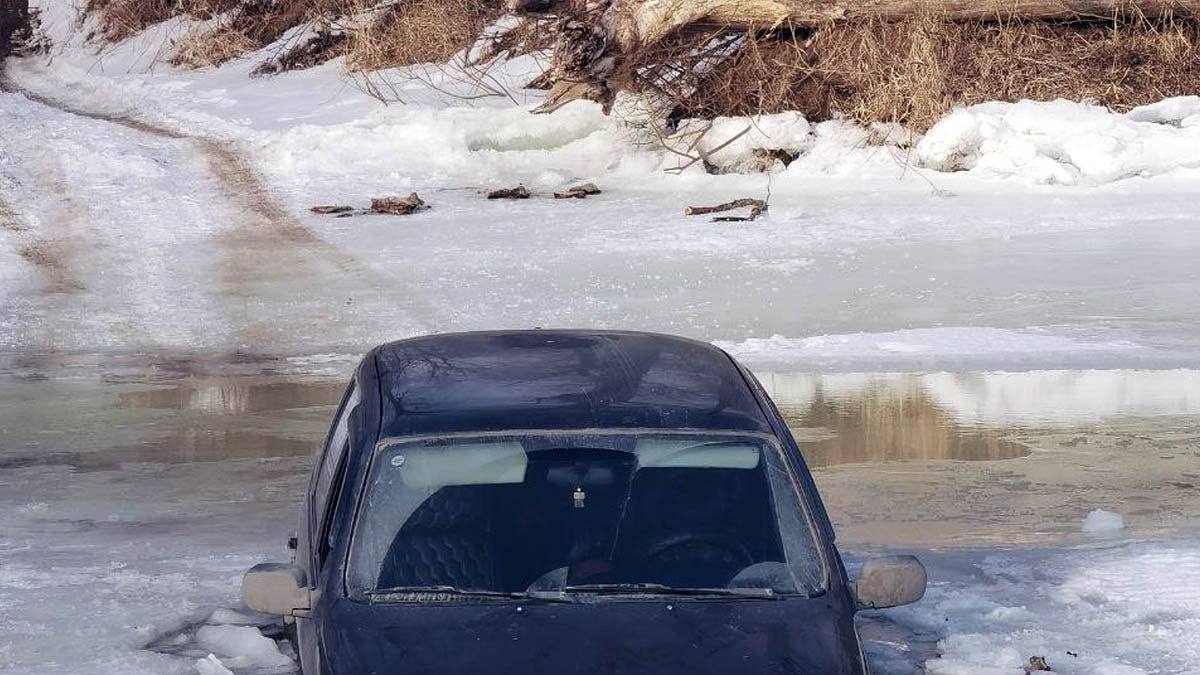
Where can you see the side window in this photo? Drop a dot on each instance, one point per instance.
(328, 475)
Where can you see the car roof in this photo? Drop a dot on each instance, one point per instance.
(560, 380)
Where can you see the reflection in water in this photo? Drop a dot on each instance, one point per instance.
(883, 424)
(188, 445)
(226, 398)
(1048, 398)
(205, 420)
(855, 417)
(837, 418)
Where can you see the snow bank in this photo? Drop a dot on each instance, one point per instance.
(997, 347)
(1100, 521)
(1065, 143)
(731, 142)
(1180, 111)
(1125, 610)
(242, 646)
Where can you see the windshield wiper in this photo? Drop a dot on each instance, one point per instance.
(660, 589)
(552, 596)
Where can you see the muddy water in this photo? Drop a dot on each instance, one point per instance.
(100, 426)
(882, 424)
(879, 418)
(937, 459)
(984, 459)
(231, 398)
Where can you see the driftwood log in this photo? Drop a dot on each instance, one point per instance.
(594, 37)
(757, 208)
(646, 21)
(518, 192)
(581, 191)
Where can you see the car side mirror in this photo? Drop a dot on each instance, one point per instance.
(890, 581)
(275, 588)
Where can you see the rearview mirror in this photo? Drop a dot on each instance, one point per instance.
(890, 581)
(275, 588)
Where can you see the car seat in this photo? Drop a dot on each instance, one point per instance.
(446, 541)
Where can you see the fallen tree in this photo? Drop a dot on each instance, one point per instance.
(645, 21)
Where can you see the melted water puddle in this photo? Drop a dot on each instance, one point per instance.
(874, 418)
(882, 424)
(236, 397)
(195, 420)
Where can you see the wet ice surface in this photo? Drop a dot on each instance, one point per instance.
(134, 502)
(129, 517)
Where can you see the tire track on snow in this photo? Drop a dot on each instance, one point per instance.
(269, 247)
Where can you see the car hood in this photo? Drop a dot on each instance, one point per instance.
(662, 636)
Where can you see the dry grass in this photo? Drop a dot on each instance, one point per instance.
(379, 33)
(120, 19)
(252, 25)
(913, 72)
(211, 47)
(418, 31)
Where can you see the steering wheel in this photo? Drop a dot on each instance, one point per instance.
(712, 548)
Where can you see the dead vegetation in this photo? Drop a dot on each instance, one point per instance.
(912, 72)
(418, 31)
(250, 26)
(120, 19)
(389, 206)
(398, 206)
(372, 35)
(756, 207)
(518, 192)
(325, 44)
(581, 191)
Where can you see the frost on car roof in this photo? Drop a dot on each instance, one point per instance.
(560, 380)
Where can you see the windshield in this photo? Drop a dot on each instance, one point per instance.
(583, 512)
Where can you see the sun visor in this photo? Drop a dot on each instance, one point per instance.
(466, 464)
(674, 453)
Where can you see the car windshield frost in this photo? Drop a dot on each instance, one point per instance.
(610, 513)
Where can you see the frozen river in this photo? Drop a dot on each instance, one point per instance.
(972, 366)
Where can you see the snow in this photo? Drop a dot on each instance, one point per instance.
(211, 665)
(985, 347)
(225, 616)
(1066, 143)
(729, 142)
(1121, 608)
(242, 647)
(1182, 111)
(1099, 521)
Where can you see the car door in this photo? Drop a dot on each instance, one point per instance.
(314, 536)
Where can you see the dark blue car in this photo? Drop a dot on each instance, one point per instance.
(567, 503)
